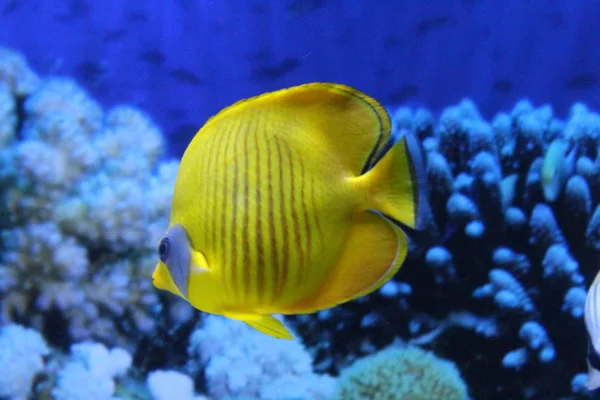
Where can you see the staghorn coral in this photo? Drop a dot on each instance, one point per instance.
(401, 373)
(85, 200)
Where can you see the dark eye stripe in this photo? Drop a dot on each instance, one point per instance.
(179, 259)
(164, 249)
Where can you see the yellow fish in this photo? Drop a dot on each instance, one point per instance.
(285, 203)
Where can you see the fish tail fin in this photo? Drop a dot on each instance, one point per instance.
(268, 325)
(398, 184)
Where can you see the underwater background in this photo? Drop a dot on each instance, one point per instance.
(99, 99)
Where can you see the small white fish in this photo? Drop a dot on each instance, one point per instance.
(557, 167)
(591, 316)
(507, 189)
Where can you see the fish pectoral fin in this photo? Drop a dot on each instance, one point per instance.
(375, 249)
(268, 325)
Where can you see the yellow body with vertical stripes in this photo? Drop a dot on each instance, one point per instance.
(285, 204)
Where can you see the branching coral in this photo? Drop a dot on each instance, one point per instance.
(21, 352)
(240, 361)
(502, 268)
(85, 200)
(90, 372)
(497, 283)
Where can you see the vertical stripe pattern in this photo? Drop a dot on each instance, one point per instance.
(258, 213)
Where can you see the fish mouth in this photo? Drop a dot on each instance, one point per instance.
(156, 278)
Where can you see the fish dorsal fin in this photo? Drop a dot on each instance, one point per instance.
(333, 117)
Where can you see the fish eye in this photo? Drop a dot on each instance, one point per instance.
(164, 248)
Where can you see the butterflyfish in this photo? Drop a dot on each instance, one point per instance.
(291, 202)
(591, 317)
(557, 167)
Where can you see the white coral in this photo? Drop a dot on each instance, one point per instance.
(241, 361)
(15, 72)
(21, 352)
(168, 385)
(90, 373)
(84, 194)
(8, 117)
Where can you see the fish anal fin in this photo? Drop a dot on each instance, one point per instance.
(375, 249)
(268, 325)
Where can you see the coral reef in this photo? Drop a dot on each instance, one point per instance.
(496, 283)
(90, 372)
(84, 202)
(21, 359)
(401, 373)
(502, 272)
(167, 385)
(240, 361)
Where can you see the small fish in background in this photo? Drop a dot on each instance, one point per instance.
(428, 25)
(114, 35)
(185, 76)
(583, 81)
(392, 41)
(154, 57)
(276, 71)
(10, 7)
(557, 167)
(289, 203)
(591, 317)
(92, 72)
(402, 94)
(76, 9)
(502, 86)
(303, 7)
(507, 189)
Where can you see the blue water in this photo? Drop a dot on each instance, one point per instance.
(183, 60)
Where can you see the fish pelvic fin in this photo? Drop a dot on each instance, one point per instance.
(397, 184)
(264, 323)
